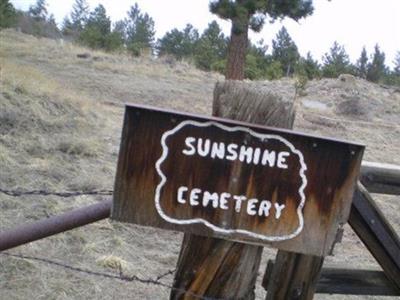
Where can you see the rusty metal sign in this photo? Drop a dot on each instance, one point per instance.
(233, 180)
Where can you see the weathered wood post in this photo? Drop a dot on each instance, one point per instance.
(218, 268)
(294, 276)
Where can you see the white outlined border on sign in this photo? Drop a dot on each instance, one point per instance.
(205, 222)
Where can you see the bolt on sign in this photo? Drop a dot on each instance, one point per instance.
(233, 180)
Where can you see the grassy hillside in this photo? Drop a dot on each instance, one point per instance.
(60, 124)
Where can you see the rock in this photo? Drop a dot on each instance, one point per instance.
(348, 78)
(83, 55)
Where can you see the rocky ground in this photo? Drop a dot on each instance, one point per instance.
(60, 125)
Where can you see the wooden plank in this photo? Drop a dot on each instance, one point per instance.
(348, 282)
(293, 277)
(371, 226)
(380, 178)
(159, 185)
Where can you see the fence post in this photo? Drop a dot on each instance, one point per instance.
(294, 276)
(215, 268)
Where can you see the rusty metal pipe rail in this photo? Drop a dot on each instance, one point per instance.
(44, 228)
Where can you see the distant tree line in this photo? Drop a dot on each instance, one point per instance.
(36, 21)
(207, 50)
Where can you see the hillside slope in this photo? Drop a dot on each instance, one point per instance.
(60, 124)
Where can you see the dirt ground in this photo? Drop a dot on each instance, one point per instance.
(60, 126)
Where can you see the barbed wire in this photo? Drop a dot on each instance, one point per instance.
(64, 194)
(121, 276)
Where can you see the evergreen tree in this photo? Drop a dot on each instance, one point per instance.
(362, 63)
(256, 61)
(396, 69)
(7, 14)
(285, 51)
(115, 40)
(99, 20)
(79, 15)
(308, 67)
(245, 14)
(52, 20)
(37, 22)
(180, 44)
(336, 62)
(140, 31)
(39, 11)
(211, 47)
(376, 68)
(393, 78)
(97, 29)
(274, 69)
(120, 30)
(66, 28)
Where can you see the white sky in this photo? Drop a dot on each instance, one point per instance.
(353, 23)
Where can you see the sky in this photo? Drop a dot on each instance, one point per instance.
(353, 23)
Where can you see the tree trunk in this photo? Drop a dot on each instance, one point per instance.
(237, 50)
(216, 268)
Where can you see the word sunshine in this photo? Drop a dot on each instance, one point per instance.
(250, 155)
(225, 201)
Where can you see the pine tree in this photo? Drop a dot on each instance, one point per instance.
(362, 63)
(39, 11)
(66, 27)
(245, 14)
(285, 51)
(336, 62)
(52, 20)
(211, 47)
(256, 61)
(115, 40)
(97, 29)
(7, 14)
(140, 31)
(393, 77)
(396, 69)
(376, 68)
(308, 67)
(120, 29)
(79, 15)
(180, 44)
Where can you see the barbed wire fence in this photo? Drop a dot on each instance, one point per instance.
(120, 276)
(63, 194)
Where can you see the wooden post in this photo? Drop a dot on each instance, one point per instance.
(294, 276)
(210, 267)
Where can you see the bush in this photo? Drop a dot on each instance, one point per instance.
(252, 69)
(219, 66)
(274, 70)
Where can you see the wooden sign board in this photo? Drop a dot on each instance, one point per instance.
(234, 180)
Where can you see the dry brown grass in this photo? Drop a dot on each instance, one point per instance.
(58, 132)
